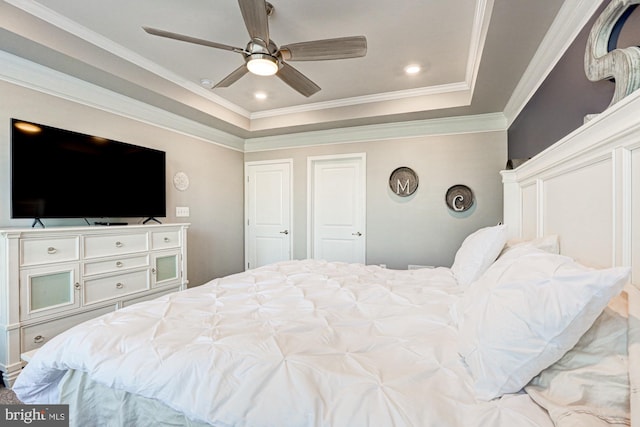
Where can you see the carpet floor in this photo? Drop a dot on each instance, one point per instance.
(7, 397)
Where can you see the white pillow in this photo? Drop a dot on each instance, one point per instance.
(477, 252)
(589, 385)
(525, 313)
(550, 243)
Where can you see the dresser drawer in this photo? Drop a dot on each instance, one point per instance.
(165, 239)
(115, 244)
(35, 336)
(114, 265)
(41, 251)
(105, 288)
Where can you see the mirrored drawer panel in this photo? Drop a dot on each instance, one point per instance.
(49, 289)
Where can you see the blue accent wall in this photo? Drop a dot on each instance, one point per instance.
(566, 96)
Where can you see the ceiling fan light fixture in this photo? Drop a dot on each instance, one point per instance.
(262, 65)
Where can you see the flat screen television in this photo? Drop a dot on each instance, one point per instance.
(57, 173)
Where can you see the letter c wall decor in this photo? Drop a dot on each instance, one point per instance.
(459, 198)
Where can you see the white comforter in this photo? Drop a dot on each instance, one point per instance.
(300, 343)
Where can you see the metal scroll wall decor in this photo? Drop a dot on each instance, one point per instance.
(602, 60)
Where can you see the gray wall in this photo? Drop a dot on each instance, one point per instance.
(418, 229)
(400, 231)
(215, 196)
(566, 96)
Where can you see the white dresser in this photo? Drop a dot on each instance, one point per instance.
(54, 278)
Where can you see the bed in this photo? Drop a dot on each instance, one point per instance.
(315, 343)
(534, 324)
(300, 343)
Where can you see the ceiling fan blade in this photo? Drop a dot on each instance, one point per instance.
(254, 13)
(189, 39)
(297, 80)
(233, 77)
(318, 50)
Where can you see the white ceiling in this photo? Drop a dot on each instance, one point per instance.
(473, 53)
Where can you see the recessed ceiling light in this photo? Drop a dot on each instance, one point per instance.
(206, 83)
(260, 95)
(412, 69)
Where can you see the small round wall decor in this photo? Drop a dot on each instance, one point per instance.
(181, 181)
(459, 198)
(403, 181)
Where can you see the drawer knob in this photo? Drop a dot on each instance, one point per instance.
(119, 264)
(119, 285)
(51, 250)
(38, 339)
(118, 244)
(167, 240)
(77, 286)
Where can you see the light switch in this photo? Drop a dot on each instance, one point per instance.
(182, 211)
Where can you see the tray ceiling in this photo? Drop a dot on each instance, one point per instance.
(472, 55)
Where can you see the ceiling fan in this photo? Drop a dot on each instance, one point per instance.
(263, 57)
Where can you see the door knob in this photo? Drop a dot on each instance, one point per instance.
(357, 234)
(284, 232)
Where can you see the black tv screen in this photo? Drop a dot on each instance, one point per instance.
(57, 173)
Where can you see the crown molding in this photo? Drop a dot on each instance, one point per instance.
(36, 77)
(446, 126)
(41, 12)
(481, 22)
(453, 88)
(30, 75)
(571, 19)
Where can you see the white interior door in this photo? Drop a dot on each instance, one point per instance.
(268, 211)
(337, 208)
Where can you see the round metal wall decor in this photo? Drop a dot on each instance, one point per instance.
(403, 181)
(181, 181)
(459, 198)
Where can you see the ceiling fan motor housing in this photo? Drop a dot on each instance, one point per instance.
(267, 55)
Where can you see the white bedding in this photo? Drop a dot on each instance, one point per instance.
(300, 343)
